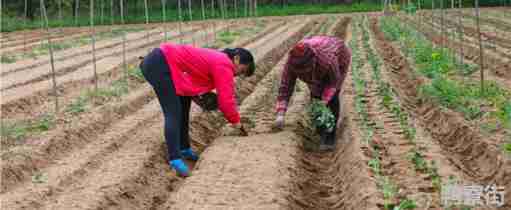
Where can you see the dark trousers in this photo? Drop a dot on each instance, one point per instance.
(176, 109)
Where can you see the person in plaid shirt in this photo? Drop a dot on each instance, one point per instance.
(322, 62)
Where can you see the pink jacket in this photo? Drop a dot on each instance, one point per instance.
(196, 71)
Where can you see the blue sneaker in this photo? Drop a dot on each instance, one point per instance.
(190, 154)
(180, 167)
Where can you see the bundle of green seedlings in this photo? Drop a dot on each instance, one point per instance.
(491, 105)
(321, 117)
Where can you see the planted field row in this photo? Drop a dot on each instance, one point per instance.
(476, 156)
(496, 64)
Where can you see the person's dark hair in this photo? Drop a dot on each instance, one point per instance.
(246, 58)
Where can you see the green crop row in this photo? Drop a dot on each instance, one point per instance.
(389, 101)
(491, 104)
(389, 189)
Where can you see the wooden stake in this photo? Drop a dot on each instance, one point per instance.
(112, 12)
(76, 11)
(246, 8)
(102, 12)
(442, 25)
(93, 39)
(481, 53)
(460, 29)
(255, 8)
(213, 12)
(52, 61)
(25, 29)
(147, 23)
(235, 8)
(203, 11)
(190, 15)
(164, 13)
(180, 16)
(60, 11)
(124, 63)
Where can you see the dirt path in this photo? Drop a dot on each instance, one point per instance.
(240, 173)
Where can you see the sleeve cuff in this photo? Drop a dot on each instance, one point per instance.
(281, 106)
(328, 94)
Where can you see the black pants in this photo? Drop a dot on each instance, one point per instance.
(176, 109)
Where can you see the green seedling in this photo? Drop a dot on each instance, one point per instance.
(78, 106)
(418, 160)
(433, 174)
(389, 192)
(406, 204)
(507, 148)
(375, 166)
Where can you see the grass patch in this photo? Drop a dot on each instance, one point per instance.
(227, 37)
(8, 59)
(99, 96)
(117, 89)
(78, 106)
(21, 129)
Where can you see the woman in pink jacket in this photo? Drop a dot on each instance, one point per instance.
(179, 72)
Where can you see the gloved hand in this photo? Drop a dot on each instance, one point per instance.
(241, 128)
(180, 167)
(279, 121)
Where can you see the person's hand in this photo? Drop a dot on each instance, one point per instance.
(240, 130)
(279, 121)
(237, 125)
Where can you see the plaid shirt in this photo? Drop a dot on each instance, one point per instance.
(324, 77)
